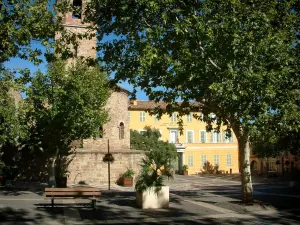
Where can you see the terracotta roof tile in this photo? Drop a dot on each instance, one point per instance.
(146, 105)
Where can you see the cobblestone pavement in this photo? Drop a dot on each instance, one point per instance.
(193, 200)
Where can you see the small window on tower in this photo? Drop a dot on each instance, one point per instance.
(121, 130)
(77, 9)
(101, 132)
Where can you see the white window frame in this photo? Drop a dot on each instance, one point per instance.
(189, 118)
(218, 159)
(205, 137)
(142, 116)
(155, 118)
(190, 161)
(203, 160)
(201, 117)
(227, 161)
(218, 135)
(174, 117)
(141, 131)
(187, 137)
(177, 135)
(214, 137)
(228, 140)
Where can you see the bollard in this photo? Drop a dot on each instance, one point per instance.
(230, 171)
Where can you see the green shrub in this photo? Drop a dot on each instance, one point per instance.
(128, 174)
(185, 167)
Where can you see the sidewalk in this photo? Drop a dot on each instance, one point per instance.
(255, 179)
(117, 206)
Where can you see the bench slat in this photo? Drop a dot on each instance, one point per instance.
(71, 198)
(71, 189)
(73, 193)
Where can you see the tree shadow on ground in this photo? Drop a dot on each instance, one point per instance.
(13, 191)
(16, 188)
(107, 211)
(11, 215)
(229, 196)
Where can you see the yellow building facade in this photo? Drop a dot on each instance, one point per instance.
(195, 145)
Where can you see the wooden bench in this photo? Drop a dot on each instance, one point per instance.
(78, 192)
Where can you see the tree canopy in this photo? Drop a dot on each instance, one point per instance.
(11, 130)
(149, 142)
(269, 144)
(25, 21)
(236, 58)
(65, 104)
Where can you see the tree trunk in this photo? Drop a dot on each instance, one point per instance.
(247, 189)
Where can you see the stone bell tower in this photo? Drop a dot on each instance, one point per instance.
(73, 22)
(87, 165)
(117, 128)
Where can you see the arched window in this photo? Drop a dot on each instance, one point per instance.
(121, 130)
(101, 132)
(77, 9)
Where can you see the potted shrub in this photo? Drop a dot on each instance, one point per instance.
(127, 178)
(185, 169)
(155, 167)
(150, 190)
(2, 177)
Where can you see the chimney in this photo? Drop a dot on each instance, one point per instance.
(133, 102)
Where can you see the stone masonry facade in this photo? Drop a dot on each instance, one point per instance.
(86, 164)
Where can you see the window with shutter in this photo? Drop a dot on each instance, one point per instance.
(190, 161)
(202, 136)
(203, 160)
(174, 117)
(190, 136)
(229, 160)
(142, 116)
(216, 160)
(189, 118)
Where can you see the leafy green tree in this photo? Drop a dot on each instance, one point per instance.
(25, 21)
(11, 130)
(149, 141)
(233, 57)
(157, 163)
(64, 105)
(272, 146)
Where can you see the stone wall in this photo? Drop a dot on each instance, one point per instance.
(89, 167)
(86, 47)
(117, 106)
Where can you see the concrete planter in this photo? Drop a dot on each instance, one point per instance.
(150, 199)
